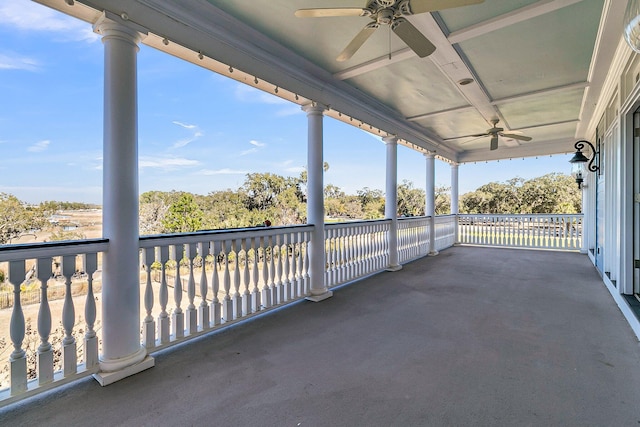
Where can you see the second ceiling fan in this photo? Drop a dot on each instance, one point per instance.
(388, 12)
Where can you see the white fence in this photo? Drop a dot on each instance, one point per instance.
(544, 231)
(189, 284)
(355, 249)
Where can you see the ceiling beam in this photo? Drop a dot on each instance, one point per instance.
(543, 92)
(524, 13)
(531, 149)
(518, 97)
(374, 64)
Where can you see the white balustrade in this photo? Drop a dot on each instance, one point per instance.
(41, 354)
(544, 231)
(413, 238)
(223, 276)
(232, 273)
(355, 249)
(445, 231)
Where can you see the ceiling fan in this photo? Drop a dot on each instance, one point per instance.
(388, 12)
(495, 132)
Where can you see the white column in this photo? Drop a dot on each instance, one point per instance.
(455, 209)
(122, 355)
(430, 207)
(315, 202)
(391, 200)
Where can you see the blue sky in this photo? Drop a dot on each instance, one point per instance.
(198, 131)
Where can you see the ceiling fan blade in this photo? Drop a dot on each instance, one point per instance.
(422, 6)
(357, 42)
(412, 37)
(516, 136)
(494, 142)
(323, 13)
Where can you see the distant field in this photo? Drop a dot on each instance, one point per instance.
(87, 222)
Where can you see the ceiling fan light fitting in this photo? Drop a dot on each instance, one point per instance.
(631, 24)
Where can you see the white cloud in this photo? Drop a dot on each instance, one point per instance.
(257, 143)
(166, 162)
(249, 151)
(13, 61)
(197, 133)
(184, 125)
(224, 171)
(29, 16)
(39, 146)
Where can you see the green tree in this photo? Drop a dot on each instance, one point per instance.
(16, 218)
(183, 216)
(411, 201)
(551, 193)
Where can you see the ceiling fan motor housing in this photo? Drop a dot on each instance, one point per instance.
(385, 3)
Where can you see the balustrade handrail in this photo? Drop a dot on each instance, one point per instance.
(521, 215)
(338, 225)
(51, 249)
(212, 235)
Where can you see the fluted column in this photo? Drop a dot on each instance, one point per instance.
(315, 202)
(122, 355)
(391, 200)
(430, 206)
(455, 209)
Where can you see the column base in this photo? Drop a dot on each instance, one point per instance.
(394, 268)
(321, 297)
(106, 378)
(433, 253)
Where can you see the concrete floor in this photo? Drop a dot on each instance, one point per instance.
(474, 336)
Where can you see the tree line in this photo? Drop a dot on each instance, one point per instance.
(267, 198)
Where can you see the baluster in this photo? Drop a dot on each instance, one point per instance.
(45, 351)
(148, 325)
(333, 257)
(192, 313)
(69, 350)
(90, 265)
(342, 276)
(177, 318)
(278, 297)
(265, 244)
(17, 359)
(273, 296)
(227, 302)
(294, 267)
(204, 313)
(286, 281)
(255, 294)
(327, 255)
(246, 295)
(236, 298)
(162, 256)
(306, 237)
(216, 306)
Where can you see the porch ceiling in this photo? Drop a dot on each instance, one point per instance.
(538, 66)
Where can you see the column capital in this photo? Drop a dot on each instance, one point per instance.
(430, 154)
(314, 108)
(110, 25)
(454, 165)
(390, 139)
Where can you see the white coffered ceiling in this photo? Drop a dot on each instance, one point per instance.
(537, 65)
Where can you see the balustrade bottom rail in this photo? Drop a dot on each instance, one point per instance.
(543, 231)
